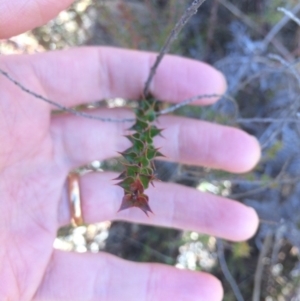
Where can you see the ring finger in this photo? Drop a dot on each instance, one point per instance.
(173, 206)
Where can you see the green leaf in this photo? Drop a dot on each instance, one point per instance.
(146, 171)
(154, 131)
(138, 145)
(159, 154)
(123, 175)
(150, 153)
(125, 184)
(144, 136)
(150, 115)
(145, 180)
(131, 157)
(144, 161)
(139, 126)
(132, 170)
(145, 104)
(138, 135)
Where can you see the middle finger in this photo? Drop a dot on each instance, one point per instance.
(78, 141)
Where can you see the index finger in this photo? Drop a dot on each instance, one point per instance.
(81, 75)
(18, 16)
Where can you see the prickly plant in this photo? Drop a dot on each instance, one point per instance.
(138, 166)
(139, 169)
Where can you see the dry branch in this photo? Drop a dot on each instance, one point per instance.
(59, 106)
(226, 272)
(275, 30)
(289, 14)
(191, 10)
(260, 267)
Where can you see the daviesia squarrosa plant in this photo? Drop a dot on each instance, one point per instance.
(138, 167)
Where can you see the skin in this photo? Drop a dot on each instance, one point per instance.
(39, 150)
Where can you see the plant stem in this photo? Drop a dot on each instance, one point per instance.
(59, 106)
(227, 273)
(191, 10)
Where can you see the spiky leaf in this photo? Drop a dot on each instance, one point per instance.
(154, 131)
(131, 157)
(139, 167)
(139, 125)
(126, 183)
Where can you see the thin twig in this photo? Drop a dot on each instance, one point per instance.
(288, 65)
(163, 112)
(239, 14)
(260, 267)
(275, 30)
(226, 272)
(279, 235)
(268, 222)
(246, 20)
(271, 132)
(89, 116)
(212, 26)
(279, 180)
(59, 106)
(191, 100)
(289, 14)
(191, 10)
(267, 120)
(286, 112)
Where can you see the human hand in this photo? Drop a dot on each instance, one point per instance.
(38, 151)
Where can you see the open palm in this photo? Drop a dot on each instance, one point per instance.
(38, 151)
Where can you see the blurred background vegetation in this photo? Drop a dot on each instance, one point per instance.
(257, 48)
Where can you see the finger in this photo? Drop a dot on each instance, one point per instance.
(185, 140)
(173, 205)
(83, 75)
(72, 276)
(21, 15)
